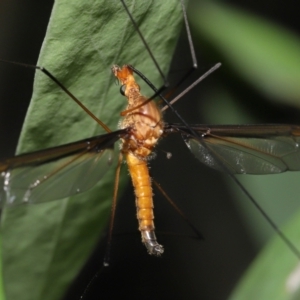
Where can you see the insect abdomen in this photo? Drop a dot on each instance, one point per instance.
(143, 191)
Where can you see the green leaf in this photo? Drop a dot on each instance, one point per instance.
(45, 246)
(275, 272)
(262, 53)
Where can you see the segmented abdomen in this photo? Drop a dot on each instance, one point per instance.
(138, 170)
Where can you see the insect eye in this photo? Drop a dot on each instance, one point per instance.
(123, 89)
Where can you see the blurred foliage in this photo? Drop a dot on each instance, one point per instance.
(260, 84)
(275, 272)
(263, 54)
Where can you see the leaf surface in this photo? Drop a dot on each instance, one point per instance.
(45, 246)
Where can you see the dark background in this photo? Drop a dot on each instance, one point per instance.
(190, 268)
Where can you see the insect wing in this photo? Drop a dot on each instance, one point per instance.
(247, 149)
(56, 172)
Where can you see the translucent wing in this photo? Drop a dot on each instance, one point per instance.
(56, 172)
(246, 149)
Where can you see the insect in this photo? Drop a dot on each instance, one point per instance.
(205, 131)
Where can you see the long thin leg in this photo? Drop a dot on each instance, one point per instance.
(144, 42)
(200, 236)
(54, 79)
(113, 212)
(190, 42)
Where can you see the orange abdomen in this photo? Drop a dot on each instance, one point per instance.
(138, 170)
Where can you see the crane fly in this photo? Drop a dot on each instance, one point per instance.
(256, 149)
(57, 172)
(74, 168)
